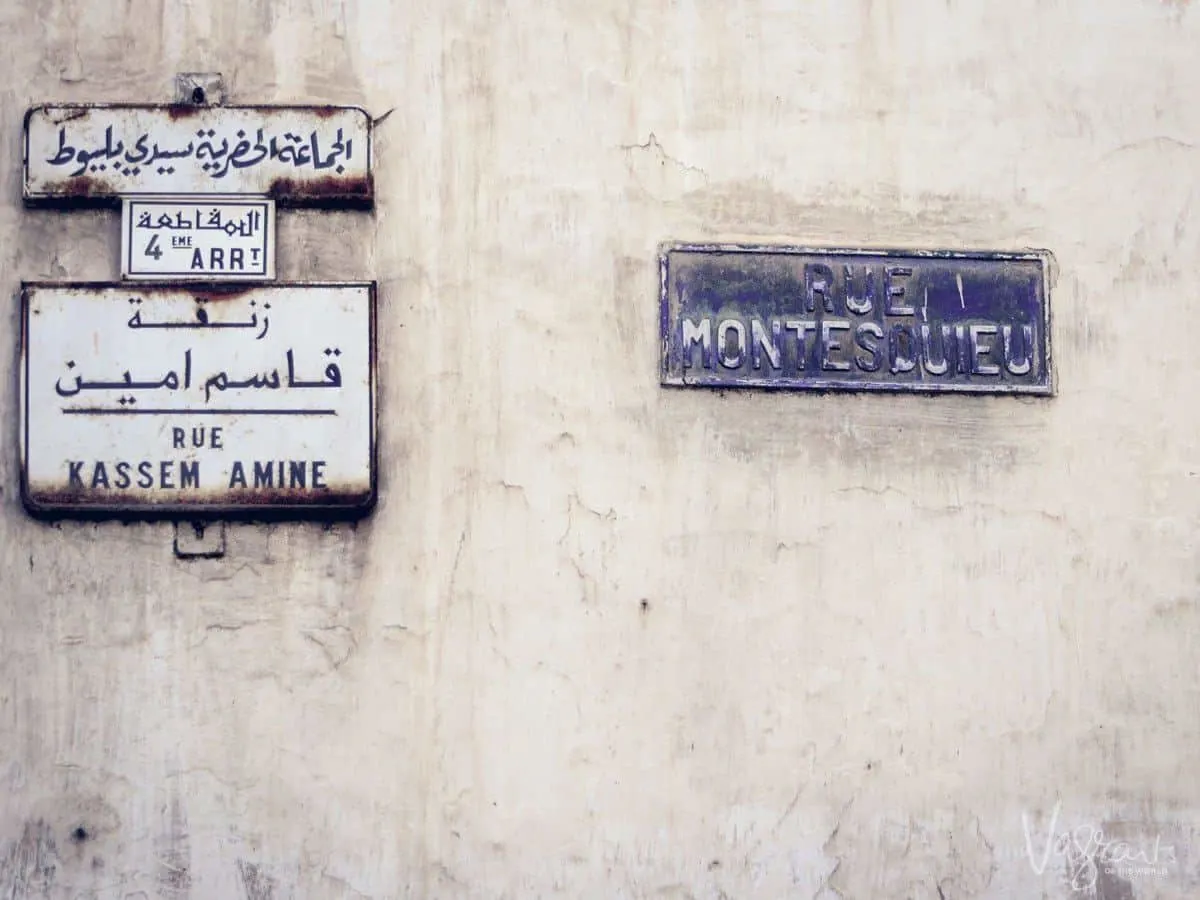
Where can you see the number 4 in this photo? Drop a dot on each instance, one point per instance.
(152, 248)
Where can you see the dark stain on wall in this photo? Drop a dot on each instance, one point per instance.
(255, 882)
(28, 868)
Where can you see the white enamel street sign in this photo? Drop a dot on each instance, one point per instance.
(221, 238)
(159, 400)
(94, 153)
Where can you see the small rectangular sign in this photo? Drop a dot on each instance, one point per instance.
(298, 155)
(212, 239)
(165, 400)
(798, 318)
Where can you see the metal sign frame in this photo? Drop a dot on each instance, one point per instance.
(674, 374)
(260, 511)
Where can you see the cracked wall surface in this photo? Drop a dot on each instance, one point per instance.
(604, 640)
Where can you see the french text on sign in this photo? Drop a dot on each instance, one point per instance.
(169, 400)
(202, 238)
(95, 153)
(798, 318)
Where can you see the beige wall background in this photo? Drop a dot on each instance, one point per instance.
(605, 640)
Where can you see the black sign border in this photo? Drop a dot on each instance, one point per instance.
(198, 512)
(671, 380)
(127, 202)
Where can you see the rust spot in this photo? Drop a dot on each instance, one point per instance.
(353, 192)
(332, 496)
(333, 503)
(356, 191)
(183, 110)
(57, 495)
(85, 186)
(325, 112)
(337, 495)
(218, 292)
(82, 190)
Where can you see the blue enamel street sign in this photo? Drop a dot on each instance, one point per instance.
(794, 318)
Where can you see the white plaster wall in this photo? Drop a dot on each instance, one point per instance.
(605, 640)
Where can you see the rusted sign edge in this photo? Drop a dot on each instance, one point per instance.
(330, 192)
(820, 386)
(358, 508)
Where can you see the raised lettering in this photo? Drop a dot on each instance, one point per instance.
(818, 280)
(728, 360)
(964, 351)
(697, 333)
(801, 328)
(899, 361)
(865, 302)
(935, 368)
(895, 291)
(1010, 361)
(828, 345)
(978, 349)
(872, 347)
(760, 342)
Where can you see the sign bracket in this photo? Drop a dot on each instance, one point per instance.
(199, 540)
(199, 88)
